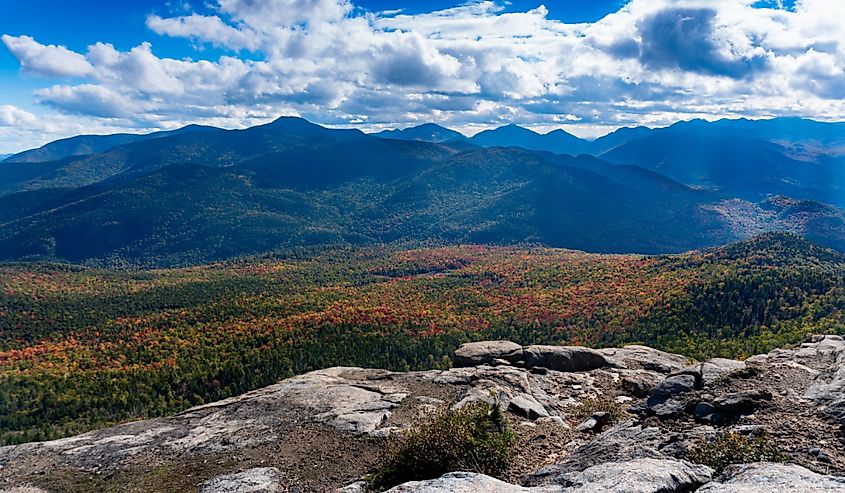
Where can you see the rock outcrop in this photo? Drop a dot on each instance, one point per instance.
(465, 482)
(786, 478)
(483, 353)
(257, 480)
(637, 476)
(620, 419)
(561, 358)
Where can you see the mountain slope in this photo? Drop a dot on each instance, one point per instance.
(212, 147)
(83, 145)
(556, 141)
(792, 131)
(734, 161)
(816, 221)
(416, 191)
(526, 197)
(343, 413)
(616, 138)
(202, 196)
(427, 132)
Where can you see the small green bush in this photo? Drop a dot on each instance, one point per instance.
(589, 407)
(475, 438)
(733, 448)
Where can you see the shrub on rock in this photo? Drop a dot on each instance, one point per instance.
(734, 448)
(474, 438)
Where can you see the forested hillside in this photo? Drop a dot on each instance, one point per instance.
(202, 194)
(83, 347)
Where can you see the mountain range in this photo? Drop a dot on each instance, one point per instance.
(201, 194)
(427, 132)
(83, 145)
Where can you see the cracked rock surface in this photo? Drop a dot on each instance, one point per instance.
(323, 431)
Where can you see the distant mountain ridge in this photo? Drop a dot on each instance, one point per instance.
(616, 138)
(743, 158)
(197, 196)
(83, 145)
(384, 190)
(557, 141)
(800, 134)
(427, 132)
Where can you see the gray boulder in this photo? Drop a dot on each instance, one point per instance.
(728, 408)
(710, 371)
(826, 390)
(636, 357)
(636, 476)
(595, 422)
(527, 407)
(665, 408)
(485, 391)
(774, 478)
(257, 480)
(819, 352)
(466, 482)
(674, 385)
(482, 353)
(639, 384)
(564, 358)
(741, 402)
(624, 442)
(664, 400)
(639, 476)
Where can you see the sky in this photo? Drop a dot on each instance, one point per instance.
(101, 66)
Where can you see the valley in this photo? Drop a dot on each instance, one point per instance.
(462, 246)
(84, 347)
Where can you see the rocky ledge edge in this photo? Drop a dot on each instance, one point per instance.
(795, 396)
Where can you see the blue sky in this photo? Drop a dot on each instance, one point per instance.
(587, 66)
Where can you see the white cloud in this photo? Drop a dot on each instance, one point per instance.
(265, 15)
(46, 59)
(652, 62)
(204, 28)
(12, 116)
(89, 99)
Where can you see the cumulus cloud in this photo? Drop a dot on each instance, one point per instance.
(651, 62)
(46, 59)
(12, 116)
(410, 61)
(686, 39)
(89, 99)
(269, 15)
(204, 28)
